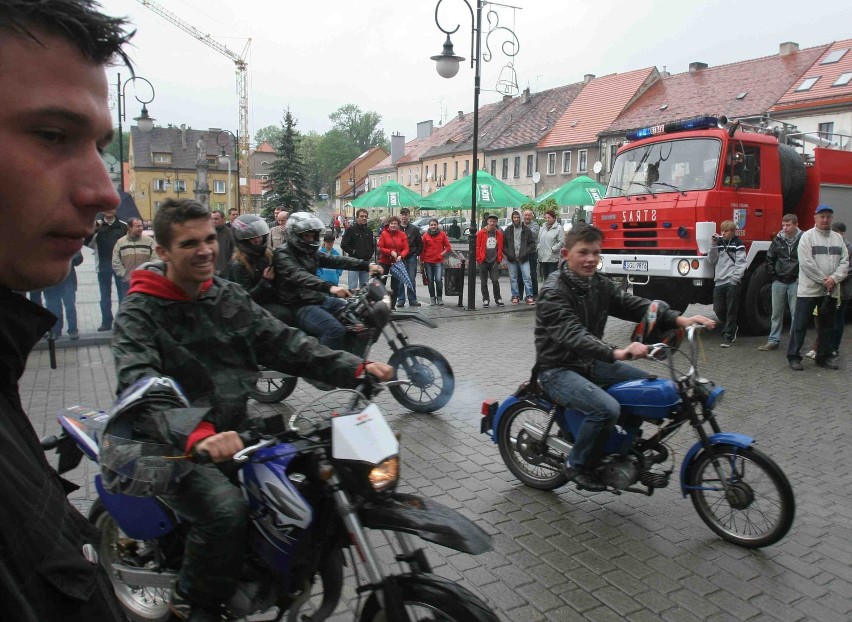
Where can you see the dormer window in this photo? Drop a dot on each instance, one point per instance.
(844, 79)
(161, 158)
(807, 84)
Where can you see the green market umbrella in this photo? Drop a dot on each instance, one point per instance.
(580, 191)
(491, 193)
(389, 194)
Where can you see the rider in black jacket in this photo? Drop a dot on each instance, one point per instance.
(313, 300)
(572, 359)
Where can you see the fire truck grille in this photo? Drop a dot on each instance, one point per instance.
(640, 234)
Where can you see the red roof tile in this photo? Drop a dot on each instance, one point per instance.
(265, 147)
(595, 108)
(714, 90)
(824, 89)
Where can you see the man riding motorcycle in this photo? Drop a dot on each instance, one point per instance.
(313, 300)
(206, 333)
(572, 361)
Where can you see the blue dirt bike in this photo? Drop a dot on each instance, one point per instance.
(316, 487)
(739, 492)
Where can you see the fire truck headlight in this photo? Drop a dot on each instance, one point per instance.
(600, 263)
(683, 267)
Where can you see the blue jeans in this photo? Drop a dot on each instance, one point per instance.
(533, 259)
(524, 269)
(358, 278)
(319, 321)
(435, 272)
(571, 390)
(804, 309)
(55, 298)
(783, 298)
(410, 263)
(105, 280)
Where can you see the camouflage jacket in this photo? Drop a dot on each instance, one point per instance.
(212, 344)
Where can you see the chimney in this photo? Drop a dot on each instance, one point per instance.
(506, 98)
(424, 129)
(397, 147)
(664, 73)
(693, 67)
(461, 115)
(588, 78)
(183, 136)
(787, 48)
(525, 96)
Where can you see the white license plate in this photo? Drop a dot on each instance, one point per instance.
(635, 266)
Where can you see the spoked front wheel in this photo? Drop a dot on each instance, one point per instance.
(429, 598)
(430, 377)
(272, 386)
(755, 508)
(525, 451)
(141, 604)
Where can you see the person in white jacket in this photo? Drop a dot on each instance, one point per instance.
(551, 239)
(823, 264)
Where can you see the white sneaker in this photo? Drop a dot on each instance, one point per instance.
(811, 354)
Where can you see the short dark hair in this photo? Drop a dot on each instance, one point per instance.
(550, 212)
(582, 233)
(328, 237)
(435, 220)
(218, 211)
(100, 38)
(131, 220)
(233, 209)
(840, 227)
(404, 211)
(176, 212)
(362, 211)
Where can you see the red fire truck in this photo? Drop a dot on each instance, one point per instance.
(672, 185)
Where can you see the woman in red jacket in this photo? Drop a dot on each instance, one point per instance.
(436, 244)
(393, 247)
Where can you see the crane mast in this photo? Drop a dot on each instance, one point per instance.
(242, 90)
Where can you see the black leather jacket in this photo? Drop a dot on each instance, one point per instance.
(570, 318)
(782, 259)
(296, 280)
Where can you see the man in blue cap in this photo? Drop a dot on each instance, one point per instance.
(823, 264)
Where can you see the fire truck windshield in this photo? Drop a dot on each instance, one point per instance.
(666, 166)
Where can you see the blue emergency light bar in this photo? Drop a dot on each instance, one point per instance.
(685, 125)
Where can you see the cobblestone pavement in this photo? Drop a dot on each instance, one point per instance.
(566, 555)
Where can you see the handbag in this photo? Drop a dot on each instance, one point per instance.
(425, 276)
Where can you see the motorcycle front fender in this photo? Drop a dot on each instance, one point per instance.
(721, 438)
(400, 316)
(427, 519)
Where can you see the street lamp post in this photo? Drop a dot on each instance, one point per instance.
(223, 156)
(144, 122)
(447, 65)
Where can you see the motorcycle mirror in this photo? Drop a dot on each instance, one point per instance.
(375, 291)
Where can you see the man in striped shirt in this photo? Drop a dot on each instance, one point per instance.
(131, 251)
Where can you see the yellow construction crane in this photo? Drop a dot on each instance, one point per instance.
(242, 90)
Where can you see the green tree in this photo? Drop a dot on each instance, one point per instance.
(271, 133)
(112, 148)
(309, 150)
(287, 181)
(538, 209)
(362, 128)
(334, 152)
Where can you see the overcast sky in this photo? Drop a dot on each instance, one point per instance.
(316, 55)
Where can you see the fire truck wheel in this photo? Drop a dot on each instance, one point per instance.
(756, 309)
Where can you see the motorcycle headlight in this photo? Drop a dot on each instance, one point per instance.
(384, 476)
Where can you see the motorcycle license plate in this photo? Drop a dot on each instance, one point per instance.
(635, 266)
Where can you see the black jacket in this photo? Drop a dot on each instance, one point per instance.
(527, 244)
(252, 280)
(43, 573)
(105, 237)
(782, 259)
(415, 240)
(296, 280)
(570, 317)
(358, 242)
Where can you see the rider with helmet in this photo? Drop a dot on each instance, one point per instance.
(251, 264)
(573, 362)
(313, 300)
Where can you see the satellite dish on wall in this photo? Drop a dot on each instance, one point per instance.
(598, 167)
(536, 177)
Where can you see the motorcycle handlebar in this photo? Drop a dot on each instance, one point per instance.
(203, 457)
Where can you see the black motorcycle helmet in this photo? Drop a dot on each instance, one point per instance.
(301, 223)
(249, 226)
(132, 463)
(648, 330)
